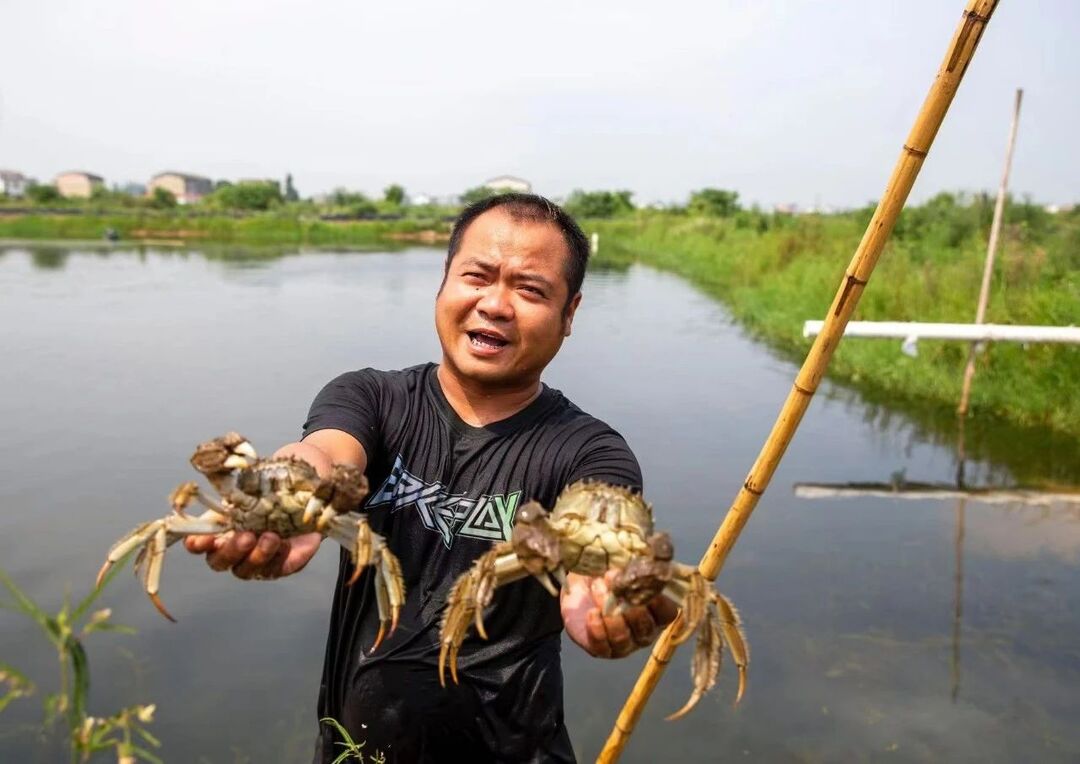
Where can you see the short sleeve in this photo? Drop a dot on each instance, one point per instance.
(350, 403)
(607, 457)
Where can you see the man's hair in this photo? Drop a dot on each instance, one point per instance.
(529, 208)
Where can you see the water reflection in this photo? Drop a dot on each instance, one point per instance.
(49, 258)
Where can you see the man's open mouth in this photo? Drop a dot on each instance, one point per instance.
(486, 341)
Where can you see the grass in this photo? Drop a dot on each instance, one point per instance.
(774, 273)
(124, 732)
(265, 228)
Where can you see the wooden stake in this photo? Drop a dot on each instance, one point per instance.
(961, 49)
(991, 248)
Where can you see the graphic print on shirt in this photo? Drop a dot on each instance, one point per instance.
(489, 517)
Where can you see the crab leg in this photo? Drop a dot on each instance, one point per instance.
(154, 537)
(468, 597)
(731, 626)
(366, 547)
(717, 622)
(705, 665)
(389, 593)
(156, 553)
(395, 584)
(382, 601)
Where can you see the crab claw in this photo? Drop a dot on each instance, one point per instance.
(314, 507)
(161, 607)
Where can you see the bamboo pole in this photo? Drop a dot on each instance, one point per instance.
(991, 248)
(961, 49)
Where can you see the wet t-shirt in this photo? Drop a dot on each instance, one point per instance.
(442, 492)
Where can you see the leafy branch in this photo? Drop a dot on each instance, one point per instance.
(66, 631)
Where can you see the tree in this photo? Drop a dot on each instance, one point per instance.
(162, 199)
(599, 204)
(248, 195)
(43, 194)
(479, 193)
(394, 194)
(714, 203)
(290, 190)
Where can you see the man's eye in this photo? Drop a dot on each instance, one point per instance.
(534, 291)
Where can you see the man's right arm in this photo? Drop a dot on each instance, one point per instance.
(268, 555)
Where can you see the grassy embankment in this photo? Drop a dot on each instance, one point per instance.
(177, 227)
(774, 273)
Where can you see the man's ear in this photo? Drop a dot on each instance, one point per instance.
(568, 314)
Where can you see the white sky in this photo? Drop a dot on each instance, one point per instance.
(798, 101)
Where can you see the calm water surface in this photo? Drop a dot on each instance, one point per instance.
(116, 363)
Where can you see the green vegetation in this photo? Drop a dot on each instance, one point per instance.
(247, 195)
(394, 194)
(713, 203)
(353, 750)
(123, 732)
(599, 204)
(776, 271)
(185, 225)
(473, 195)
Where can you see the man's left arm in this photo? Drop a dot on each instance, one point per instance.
(608, 458)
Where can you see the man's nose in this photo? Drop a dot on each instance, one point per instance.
(495, 303)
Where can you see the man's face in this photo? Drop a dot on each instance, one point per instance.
(502, 312)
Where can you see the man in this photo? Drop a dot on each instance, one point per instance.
(451, 451)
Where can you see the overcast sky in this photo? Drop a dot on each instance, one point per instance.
(787, 102)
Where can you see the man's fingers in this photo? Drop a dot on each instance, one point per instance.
(619, 636)
(232, 548)
(599, 645)
(663, 610)
(199, 544)
(257, 563)
(298, 552)
(642, 625)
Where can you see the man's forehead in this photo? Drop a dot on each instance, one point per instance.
(496, 234)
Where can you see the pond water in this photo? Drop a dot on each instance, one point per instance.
(880, 628)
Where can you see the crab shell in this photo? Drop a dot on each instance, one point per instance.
(587, 508)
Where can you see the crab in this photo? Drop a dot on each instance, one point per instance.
(285, 496)
(595, 528)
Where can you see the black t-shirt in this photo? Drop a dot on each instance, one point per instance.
(442, 492)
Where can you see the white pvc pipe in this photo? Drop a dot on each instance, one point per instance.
(913, 330)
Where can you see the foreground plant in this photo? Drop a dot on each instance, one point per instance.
(353, 750)
(66, 631)
(18, 686)
(118, 731)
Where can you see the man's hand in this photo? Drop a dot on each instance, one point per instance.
(616, 635)
(249, 557)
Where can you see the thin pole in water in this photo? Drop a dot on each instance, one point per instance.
(991, 248)
(962, 47)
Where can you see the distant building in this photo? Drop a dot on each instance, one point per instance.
(187, 189)
(420, 200)
(509, 183)
(77, 184)
(13, 183)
